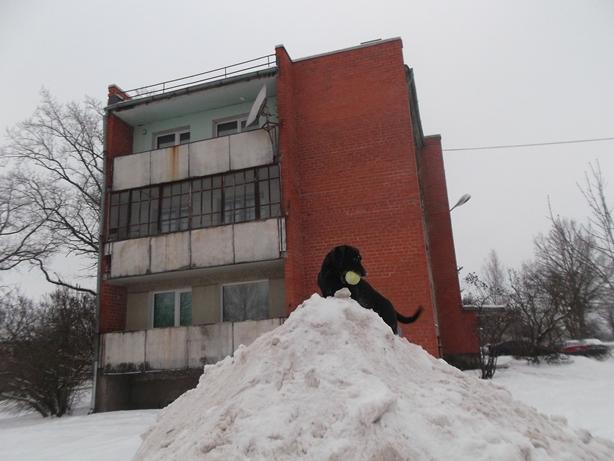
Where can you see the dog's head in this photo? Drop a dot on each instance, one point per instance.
(342, 259)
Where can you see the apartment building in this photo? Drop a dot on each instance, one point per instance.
(215, 223)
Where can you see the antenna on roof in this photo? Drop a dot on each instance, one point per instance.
(260, 109)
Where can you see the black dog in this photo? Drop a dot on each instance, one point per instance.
(332, 277)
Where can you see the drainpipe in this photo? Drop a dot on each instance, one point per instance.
(100, 256)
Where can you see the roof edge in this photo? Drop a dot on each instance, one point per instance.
(270, 72)
(351, 48)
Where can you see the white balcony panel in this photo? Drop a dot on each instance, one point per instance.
(123, 348)
(130, 257)
(212, 246)
(249, 149)
(179, 347)
(209, 157)
(169, 164)
(170, 252)
(247, 332)
(215, 246)
(209, 343)
(256, 241)
(131, 171)
(166, 348)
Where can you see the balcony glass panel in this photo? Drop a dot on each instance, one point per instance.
(241, 196)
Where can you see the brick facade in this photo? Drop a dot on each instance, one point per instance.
(113, 297)
(457, 325)
(351, 175)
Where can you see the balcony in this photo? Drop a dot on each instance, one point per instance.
(195, 159)
(199, 248)
(177, 348)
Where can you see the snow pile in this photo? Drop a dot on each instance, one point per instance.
(334, 383)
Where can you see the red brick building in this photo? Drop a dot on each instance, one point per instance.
(215, 229)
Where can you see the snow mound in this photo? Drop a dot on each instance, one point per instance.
(334, 383)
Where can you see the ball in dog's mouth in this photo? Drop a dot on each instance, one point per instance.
(352, 278)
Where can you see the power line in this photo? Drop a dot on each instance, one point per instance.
(513, 146)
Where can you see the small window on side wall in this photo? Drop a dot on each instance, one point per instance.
(172, 308)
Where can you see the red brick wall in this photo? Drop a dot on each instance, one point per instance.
(456, 326)
(290, 177)
(113, 297)
(357, 179)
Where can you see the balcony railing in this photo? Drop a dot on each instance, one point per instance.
(221, 73)
(177, 348)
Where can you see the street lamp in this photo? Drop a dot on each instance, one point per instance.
(461, 201)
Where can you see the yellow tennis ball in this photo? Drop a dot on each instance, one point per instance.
(352, 278)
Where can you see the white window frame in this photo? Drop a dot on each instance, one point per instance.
(242, 283)
(175, 131)
(177, 316)
(238, 119)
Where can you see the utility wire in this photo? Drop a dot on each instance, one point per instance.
(513, 146)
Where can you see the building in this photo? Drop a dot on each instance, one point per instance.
(215, 230)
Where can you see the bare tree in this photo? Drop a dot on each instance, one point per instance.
(567, 261)
(494, 278)
(50, 196)
(493, 321)
(47, 350)
(601, 231)
(533, 297)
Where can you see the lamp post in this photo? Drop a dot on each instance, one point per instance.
(461, 201)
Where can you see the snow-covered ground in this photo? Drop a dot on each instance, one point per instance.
(580, 391)
(100, 437)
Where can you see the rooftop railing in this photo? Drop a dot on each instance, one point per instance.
(261, 63)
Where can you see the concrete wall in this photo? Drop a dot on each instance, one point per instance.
(138, 309)
(179, 347)
(201, 158)
(143, 390)
(206, 304)
(199, 123)
(209, 247)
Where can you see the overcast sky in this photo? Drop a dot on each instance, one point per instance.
(487, 73)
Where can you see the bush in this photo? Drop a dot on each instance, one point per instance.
(47, 349)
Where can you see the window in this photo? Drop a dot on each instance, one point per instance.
(230, 126)
(240, 196)
(174, 209)
(245, 301)
(181, 136)
(134, 213)
(172, 308)
(236, 197)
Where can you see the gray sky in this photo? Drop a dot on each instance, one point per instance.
(487, 73)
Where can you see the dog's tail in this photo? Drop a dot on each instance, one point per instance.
(411, 319)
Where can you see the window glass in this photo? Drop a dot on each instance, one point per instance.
(164, 309)
(166, 140)
(184, 137)
(227, 198)
(171, 305)
(226, 128)
(185, 308)
(245, 301)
